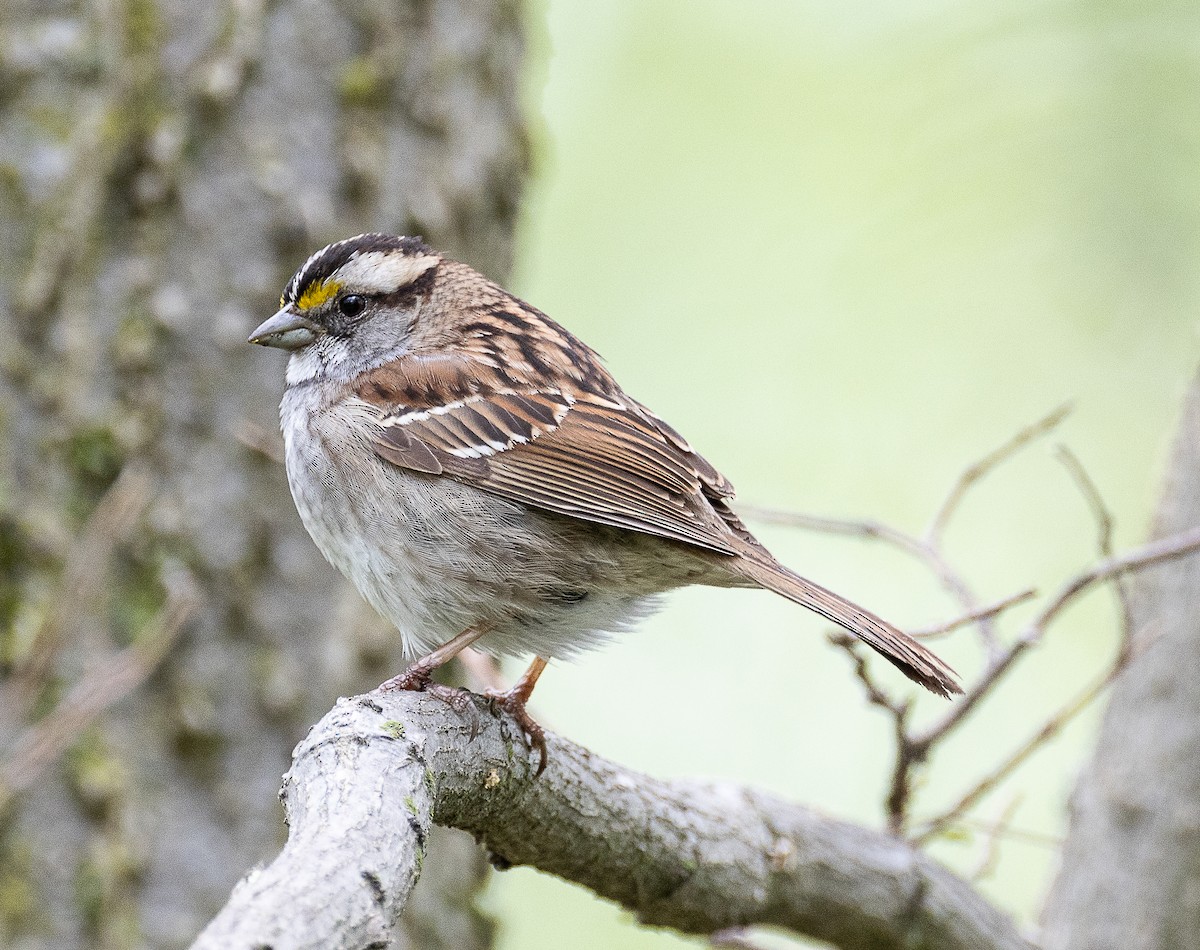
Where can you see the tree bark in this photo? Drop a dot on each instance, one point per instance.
(1130, 874)
(370, 779)
(166, 165)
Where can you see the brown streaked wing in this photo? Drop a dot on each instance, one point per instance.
(716, 483)
(475, 427)
(590, 458)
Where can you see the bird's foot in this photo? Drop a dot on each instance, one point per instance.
(512, 701)
(416, 679)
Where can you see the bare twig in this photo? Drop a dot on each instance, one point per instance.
(1051, 728)
(867, 530)
(914, 749)
(1091, 494)
(1164, 549)
(928, 549)
(927, 554)
(911, 750)
(907, 756)
(974, 472)
(988, 611)
(991, 843)
(1104, 540)
(1025, 836)
(874, 692)
(871, 530)
(1155, 552)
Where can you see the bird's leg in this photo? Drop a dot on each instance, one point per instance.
(513, 701)
(419, 674)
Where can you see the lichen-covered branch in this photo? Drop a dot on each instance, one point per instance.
(374, 775)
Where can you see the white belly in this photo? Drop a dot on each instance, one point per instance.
(435, 556)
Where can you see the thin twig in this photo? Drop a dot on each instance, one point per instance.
(1154, 552)
(971, 476)
(907, 756)
(928, 549)
(912, 750)
(1164, 549)
(1104, 524)
(1104, 540)
(1025, 836)
(867, 530)
(874, 692)
(991, 843)
(989, 782)
(988, 611)
(872, 530)
(1091, 494)
(974, 472)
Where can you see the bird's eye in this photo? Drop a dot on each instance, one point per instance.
(352, 305)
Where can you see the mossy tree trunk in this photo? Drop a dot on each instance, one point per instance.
(165, 166)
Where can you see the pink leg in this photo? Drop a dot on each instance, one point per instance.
(420, 672)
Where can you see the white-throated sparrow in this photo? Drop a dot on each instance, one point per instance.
(477, 473)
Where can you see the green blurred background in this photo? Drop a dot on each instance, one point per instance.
(847, 249)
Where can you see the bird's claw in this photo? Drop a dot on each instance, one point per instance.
(513, 702)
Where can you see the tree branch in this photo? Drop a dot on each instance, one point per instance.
(989, 463)
(371, 778)
(1155, 552)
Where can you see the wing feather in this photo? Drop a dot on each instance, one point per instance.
(400, 448)
(586, 455)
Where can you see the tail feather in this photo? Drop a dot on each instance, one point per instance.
(898, 648)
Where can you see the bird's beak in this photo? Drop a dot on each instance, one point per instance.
(287, 330)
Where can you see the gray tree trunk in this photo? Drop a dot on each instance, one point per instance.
(164, 166)
(1130, 875)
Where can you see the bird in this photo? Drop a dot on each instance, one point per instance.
(480, 476)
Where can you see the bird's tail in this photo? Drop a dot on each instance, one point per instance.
(902, 651)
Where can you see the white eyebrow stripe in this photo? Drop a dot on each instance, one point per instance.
(382, 272)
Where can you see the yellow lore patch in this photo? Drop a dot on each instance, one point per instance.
(316, 294)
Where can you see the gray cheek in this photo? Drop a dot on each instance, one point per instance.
(384, 334)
